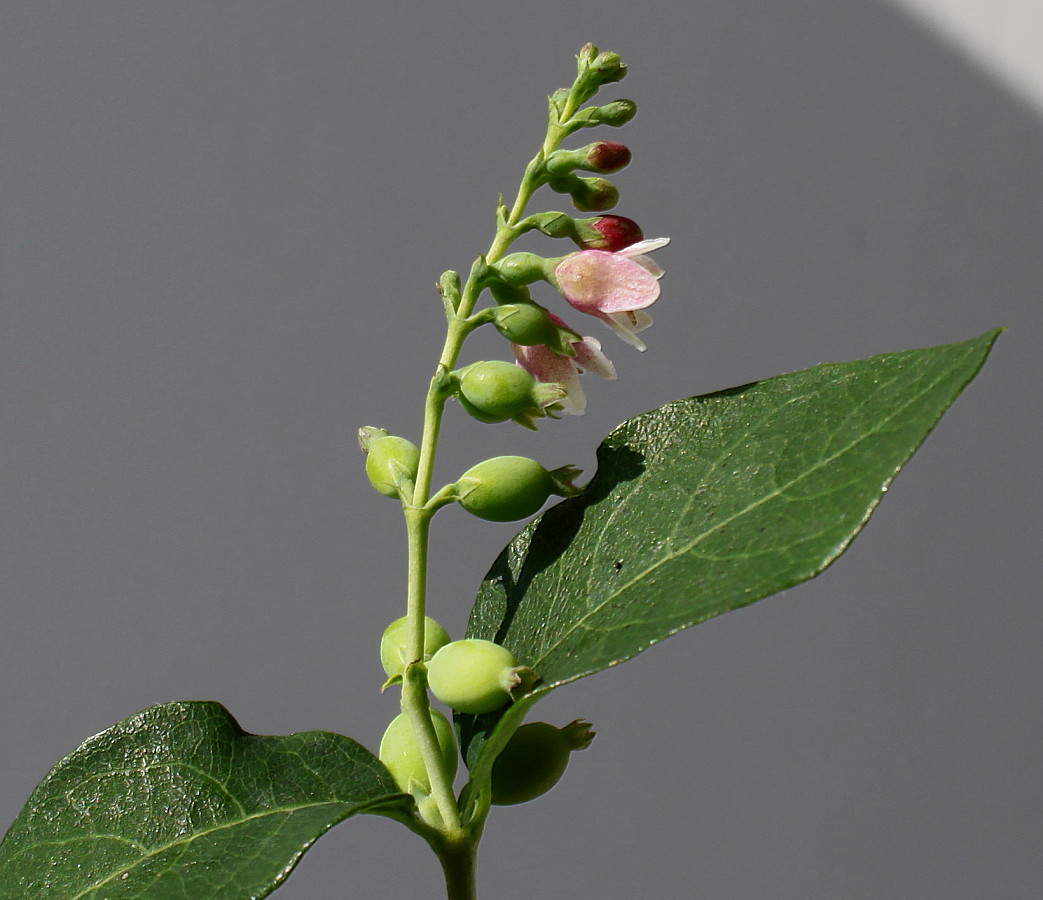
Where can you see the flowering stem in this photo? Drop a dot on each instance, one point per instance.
(414, 681)
(457, 843)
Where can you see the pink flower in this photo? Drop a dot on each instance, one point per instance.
(614, 286)
(544, 364)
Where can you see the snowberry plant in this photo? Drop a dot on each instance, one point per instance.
(699, 507)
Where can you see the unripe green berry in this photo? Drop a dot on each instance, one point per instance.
(529, 324)
(391, 461)
(473, 676)
(400, 752)
(395, 641)
(535, 759)
(505, 488)
(496, 390)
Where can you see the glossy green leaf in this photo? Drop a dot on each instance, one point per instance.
(708, 504)
(179, 803)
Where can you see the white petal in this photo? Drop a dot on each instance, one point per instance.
(622, 325)
(649, 265)
(643, 247)
(639, 320)
(590, 358)
(574, 403)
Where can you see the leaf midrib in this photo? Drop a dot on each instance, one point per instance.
(580, 622)
(156, 851)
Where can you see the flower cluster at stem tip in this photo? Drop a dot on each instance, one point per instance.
(610, 277)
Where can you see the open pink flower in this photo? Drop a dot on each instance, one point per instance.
(614, 286)
(544, 364)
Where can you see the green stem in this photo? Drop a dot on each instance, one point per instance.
(456, 847)
(414, 680)
(459, 859)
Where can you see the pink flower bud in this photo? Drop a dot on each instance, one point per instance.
(610, 233)
(608, 156)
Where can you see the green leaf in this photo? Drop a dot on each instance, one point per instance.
(179, 803)
(706, 505)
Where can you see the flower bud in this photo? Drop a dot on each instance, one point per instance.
(557, 103)
(475, 676)
(535, 759)
(529, 324)
(391, 462)
(594, 195)
(607, 67)
(394, 644)
(508, 488)
(587, 54)
(449, 288)
(609, 233)
(596, 69)
(495, 391)
(615, 114)
(604, 157)
(400, 752)
(607, 157)
(553, 224)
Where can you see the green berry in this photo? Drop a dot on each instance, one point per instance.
(535, 759)
(391, 461)
(529, 324)
(395, 640)
(400, 752)
(505, 488)
(495, 391)
(473, 676)
(524, 323)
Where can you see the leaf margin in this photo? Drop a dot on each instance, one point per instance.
(481, 737)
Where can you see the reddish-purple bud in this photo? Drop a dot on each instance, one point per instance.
(609, 233)
(608, 156)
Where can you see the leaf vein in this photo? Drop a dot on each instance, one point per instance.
(185, 841)
(669, 557)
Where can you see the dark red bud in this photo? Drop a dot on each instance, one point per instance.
(608, 156)
(610, 233)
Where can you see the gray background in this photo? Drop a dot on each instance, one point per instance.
(221, 227)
